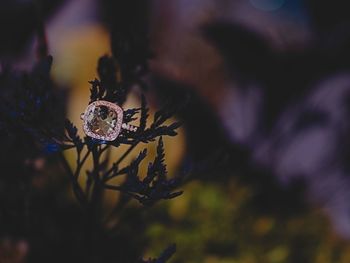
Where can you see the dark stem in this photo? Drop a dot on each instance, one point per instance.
(77, 190)
(80, 163)
(95, 203)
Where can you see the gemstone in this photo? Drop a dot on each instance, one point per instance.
(102, 120)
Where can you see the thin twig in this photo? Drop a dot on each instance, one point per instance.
(105, 148)
(106, 176)
(126, 153)
(80, 164)
(113, 187)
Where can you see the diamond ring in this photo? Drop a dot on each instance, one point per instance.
(103, 120)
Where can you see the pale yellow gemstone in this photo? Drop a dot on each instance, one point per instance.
(102, 120)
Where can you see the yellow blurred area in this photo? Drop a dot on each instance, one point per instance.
(76, 53)
(263, 225)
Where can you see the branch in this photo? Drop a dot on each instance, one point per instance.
(77, 190)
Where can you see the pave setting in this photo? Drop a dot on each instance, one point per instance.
(103, 120)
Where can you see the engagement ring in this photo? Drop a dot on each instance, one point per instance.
(103, 120)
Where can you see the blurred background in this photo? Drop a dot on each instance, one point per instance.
(265, 139)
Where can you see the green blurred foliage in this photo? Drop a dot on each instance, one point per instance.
(218, 223)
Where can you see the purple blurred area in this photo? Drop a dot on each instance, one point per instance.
(273, 74)
(276, 74)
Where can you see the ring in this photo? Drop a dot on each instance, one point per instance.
(103, 120)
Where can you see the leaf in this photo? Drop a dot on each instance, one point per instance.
(129, 114)
(157, 168)
(144, 114)
(164, 257)
(135, 163)
(94, 90)
(73, 136)
(167, 254)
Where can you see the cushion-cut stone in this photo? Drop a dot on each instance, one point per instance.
(103, 120)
